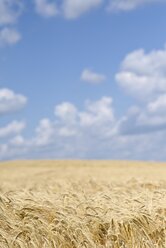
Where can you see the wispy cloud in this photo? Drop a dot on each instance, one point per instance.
(10, 11)
(9, 36)
(73, 9)
(70, 9)
(126, 5)
(92, 77)
(46, 8)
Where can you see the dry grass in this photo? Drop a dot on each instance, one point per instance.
(76, 204)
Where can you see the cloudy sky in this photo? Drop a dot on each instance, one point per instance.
(83, 79)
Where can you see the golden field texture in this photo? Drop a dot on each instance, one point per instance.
(74, 204)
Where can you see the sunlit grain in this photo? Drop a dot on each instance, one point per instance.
(74, 204)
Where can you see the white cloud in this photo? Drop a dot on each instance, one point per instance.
(126, 5)
(10, 11)
(46, 8)
(150, 118)
(158, 105)
(67, 119)
(17, 141)
(143, 75)
(67, 131)
(9, 36)
(66, 112)
(92, 77)
(97, 113)
(75, 8)
(10, 101)
(45, 133)
(16, 147)
(15, 127)
(92, 133)
(72, 9)
(73, 132)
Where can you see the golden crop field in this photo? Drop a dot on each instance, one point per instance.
(77, 204)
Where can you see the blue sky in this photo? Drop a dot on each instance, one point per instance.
(83, 79)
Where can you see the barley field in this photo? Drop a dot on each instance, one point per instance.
(77, 204)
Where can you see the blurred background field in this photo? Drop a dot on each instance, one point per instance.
(25, 172)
